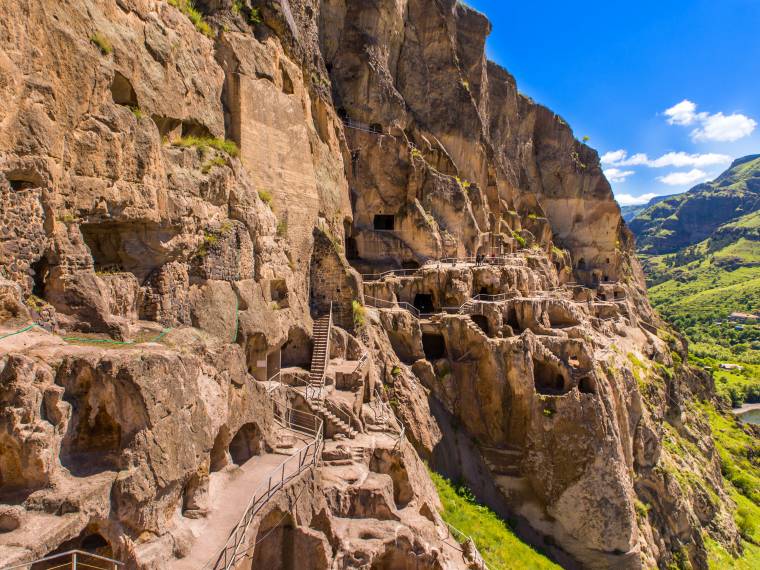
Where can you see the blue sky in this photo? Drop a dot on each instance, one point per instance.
(612, 69)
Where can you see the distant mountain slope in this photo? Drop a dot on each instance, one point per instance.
(630, 212)
(707, 267)
(687, 219)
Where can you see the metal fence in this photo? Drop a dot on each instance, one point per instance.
(74, 559)
(302, 460)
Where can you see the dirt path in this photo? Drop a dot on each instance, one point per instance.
(230, 494)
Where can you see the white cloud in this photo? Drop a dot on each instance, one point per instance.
(683, 113)
(677, 159)
(683, 178)
(613, 156)
(629, 200)
(724, 128)
(716, 127)
(617, 175)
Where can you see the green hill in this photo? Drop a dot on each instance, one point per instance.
(689, 218)
(701, 253)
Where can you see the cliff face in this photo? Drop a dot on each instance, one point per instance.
(175, 279)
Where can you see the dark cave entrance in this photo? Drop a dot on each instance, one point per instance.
(247, 442)
(434, 346)
(40, 273)
(423, 302)
(482, 322)
(548, 379)
(89, 540)
(586, 385)
(93, 442)
(275, 544)
(384, 222)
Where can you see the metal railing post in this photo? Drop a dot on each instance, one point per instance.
(74, 561)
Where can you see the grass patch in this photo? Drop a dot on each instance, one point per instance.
(210, 164)
(498, 545)
(206, 143)
(266, 197)
(102, 43)
(187, 7)
(520, 240)
(359, 314)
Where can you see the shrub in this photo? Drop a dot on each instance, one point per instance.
(519, 238)
(209, 164)
(266, 197)
(359, 313)
(137, 112)
(205, 143)
(254, 17)
(282, 228)
(102, 43)
(188, 9)
(395, 371)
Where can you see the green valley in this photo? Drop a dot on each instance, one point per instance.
(701, 253)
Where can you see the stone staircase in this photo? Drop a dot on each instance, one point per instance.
(475, 328)
(320, 356)
(338, 425)
(503, 461)
(467, 307)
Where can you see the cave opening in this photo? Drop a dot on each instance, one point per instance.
(547, 378)
(296, 352)
(376, 128)
(482, 322)
(246, 443)
(40, 272)
(384, 222)
(434, 346)
(275, 547)
(89, 540)
(122, 91)
(423, 302)
(278, 292)
(581, 263)
(287, 82)
(586, 385)
(513, 321)
(410, 264)
(93, 442)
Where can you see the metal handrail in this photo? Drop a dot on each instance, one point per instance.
(313, 393)
(362, 359)
(344, 416)
(380, 276)
(374, 301)
(307, 458)
(466, 538)
(74, 559)
(386, 414)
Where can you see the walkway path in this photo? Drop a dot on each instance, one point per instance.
(230, 493)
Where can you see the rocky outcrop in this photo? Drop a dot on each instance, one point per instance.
(187, 195)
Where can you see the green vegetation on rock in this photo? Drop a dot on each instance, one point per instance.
(187, 7)
(498, 545)
(206, 143)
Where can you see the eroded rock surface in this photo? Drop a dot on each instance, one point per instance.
(181, 210)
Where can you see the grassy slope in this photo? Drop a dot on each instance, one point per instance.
(701, 285)
(498, 545)
(739, 454)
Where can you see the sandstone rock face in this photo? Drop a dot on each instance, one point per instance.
(174, 279)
